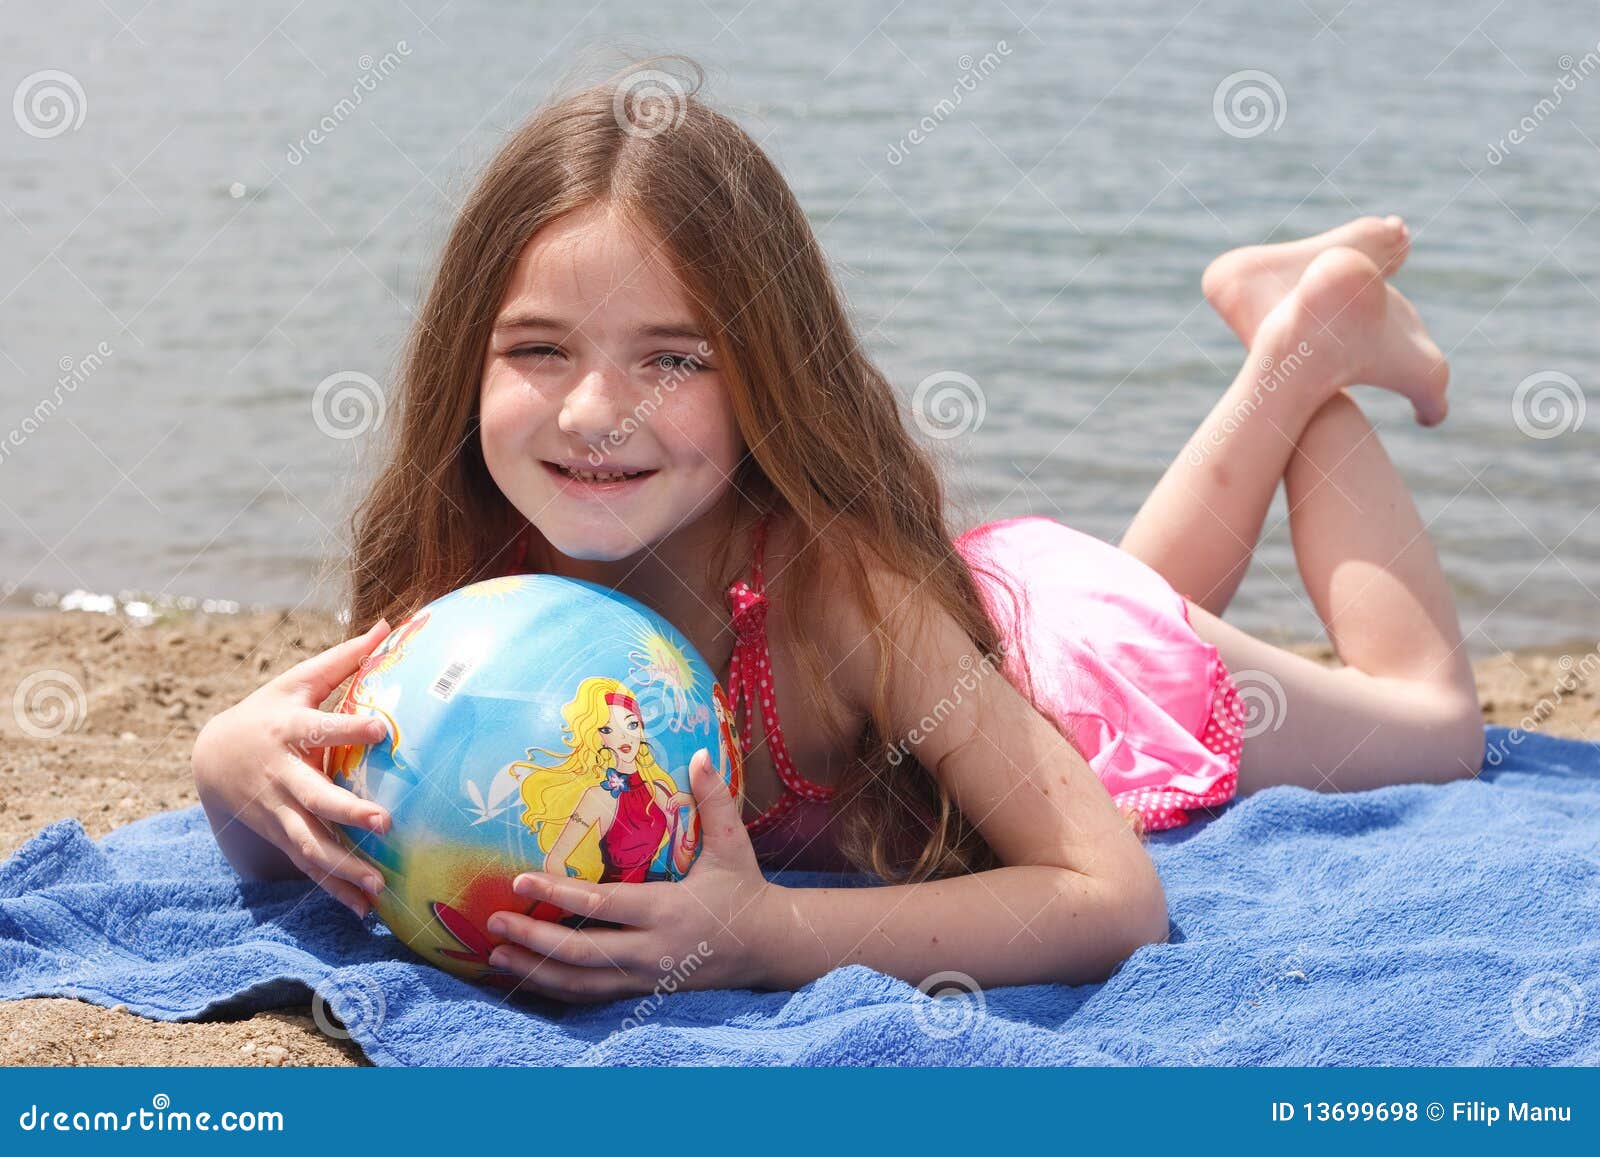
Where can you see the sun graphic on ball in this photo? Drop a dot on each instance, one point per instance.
(494, 588)
(661, 664)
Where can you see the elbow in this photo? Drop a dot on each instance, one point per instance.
(1130, 911)
(1137, 906)
(1145, 903)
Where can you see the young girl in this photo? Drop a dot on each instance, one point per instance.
(634, 368)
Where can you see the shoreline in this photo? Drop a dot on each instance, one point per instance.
(143, 609)
(139, 694)
(1572, 644)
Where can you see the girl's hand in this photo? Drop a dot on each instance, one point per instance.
(258, 772)
(704, 931)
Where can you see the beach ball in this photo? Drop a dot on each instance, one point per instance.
(536, 723)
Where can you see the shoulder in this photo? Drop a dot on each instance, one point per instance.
(866, 611)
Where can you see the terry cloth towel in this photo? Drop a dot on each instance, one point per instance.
(1413, 925)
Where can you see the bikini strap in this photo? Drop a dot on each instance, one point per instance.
(750, 680)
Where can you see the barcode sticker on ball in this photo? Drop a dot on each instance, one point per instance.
(444, 687)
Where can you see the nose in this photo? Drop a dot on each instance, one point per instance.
(593, 408)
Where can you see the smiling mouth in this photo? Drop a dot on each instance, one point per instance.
(596, 477)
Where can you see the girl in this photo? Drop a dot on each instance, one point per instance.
(633, 367)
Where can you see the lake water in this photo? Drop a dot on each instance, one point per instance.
(194, 268)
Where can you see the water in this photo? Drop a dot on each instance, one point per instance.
(1045, 238)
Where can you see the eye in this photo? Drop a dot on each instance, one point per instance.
(633, 725)
(606, 729)
(532, 351)
(673, 362)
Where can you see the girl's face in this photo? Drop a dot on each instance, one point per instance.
(621, 733)
(603, 417)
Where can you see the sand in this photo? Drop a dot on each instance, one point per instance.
(148, 689)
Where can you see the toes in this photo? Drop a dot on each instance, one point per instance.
(1426, 380)
(1232, 285)
(1214, 280)
(1386, 240)
(1220, 283)
(1398, 244)
(1432, 406)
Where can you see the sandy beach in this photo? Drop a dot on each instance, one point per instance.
(149, 689)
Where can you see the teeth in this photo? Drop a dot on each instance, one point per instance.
(596, 476)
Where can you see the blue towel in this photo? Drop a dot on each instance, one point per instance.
(1413, 925)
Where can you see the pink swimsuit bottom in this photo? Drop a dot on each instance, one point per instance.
(1114, 663)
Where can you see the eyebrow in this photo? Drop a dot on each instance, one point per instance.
(534, 321)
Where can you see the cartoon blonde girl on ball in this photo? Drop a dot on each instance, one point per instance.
(608, 808)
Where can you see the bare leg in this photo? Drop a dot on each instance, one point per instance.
(1342, 729)
(1404, 708)
(1341, 325)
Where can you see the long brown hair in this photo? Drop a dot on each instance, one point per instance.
(829, 450)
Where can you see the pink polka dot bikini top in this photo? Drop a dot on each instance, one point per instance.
(750, 684)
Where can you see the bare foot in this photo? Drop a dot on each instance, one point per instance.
(1357, 330)
(1244, 284)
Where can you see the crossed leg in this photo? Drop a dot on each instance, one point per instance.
(1404, 706)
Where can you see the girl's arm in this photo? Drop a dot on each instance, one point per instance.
(1078, 893)
(1076, 896)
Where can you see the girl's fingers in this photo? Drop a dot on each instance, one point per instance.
(316, 677)
(347, 894)
(631, 904)
(321, 857)
(600, 948)
(561, 981)
(328, 801)
(309, 729)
